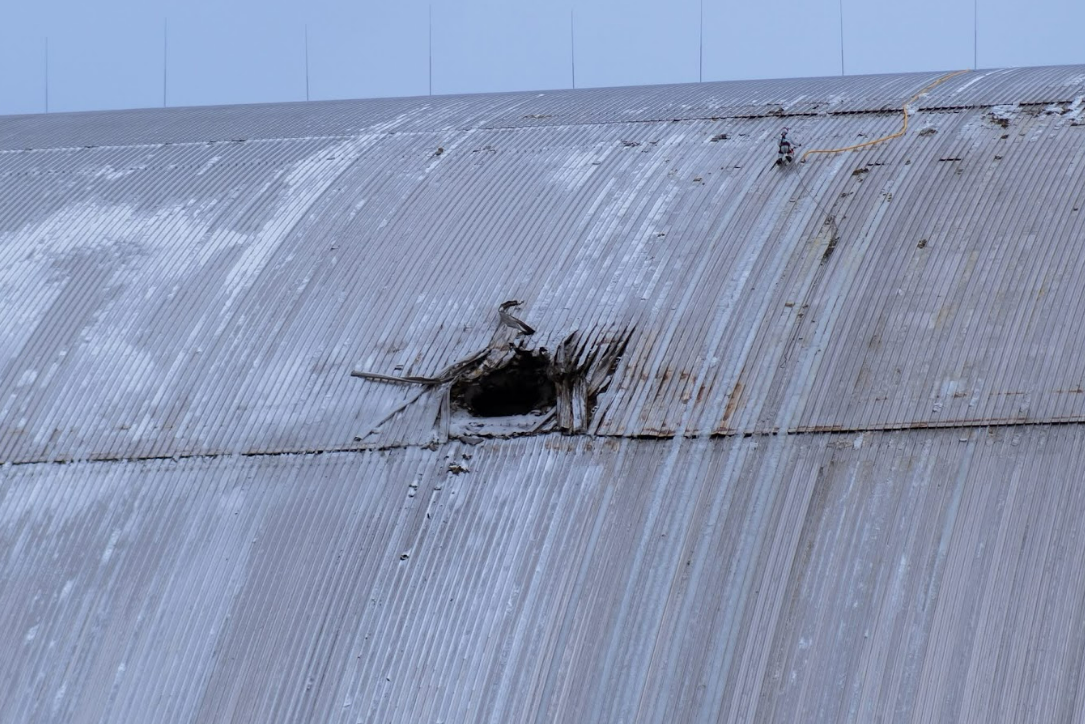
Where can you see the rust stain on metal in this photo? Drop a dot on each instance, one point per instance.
(732, 404)
(701, 392)
(1016, 421)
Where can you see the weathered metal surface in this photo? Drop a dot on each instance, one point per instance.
(186, 307)
(904, 576)
(327, 119)
(803, 96)
(202, 298)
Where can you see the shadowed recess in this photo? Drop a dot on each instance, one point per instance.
(519, 387)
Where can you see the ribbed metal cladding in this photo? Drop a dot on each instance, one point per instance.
(202, 298)
(911, 576)
(835, 475)
(554, 107)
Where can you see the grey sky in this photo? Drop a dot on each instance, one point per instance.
(108, 54)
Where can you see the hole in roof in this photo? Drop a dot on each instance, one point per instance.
(519, 387)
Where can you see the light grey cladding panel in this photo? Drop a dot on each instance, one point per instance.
(918, 574)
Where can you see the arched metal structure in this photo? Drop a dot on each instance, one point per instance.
(816, 451)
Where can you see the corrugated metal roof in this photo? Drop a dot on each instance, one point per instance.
(201, 298)
(910, 576)
(732, 99)
(184, 301)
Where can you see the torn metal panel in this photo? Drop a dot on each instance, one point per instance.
(509, 388)
(209, 298)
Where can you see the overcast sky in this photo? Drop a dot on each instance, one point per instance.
(109, 53)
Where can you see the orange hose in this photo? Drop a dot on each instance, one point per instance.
(898, 134)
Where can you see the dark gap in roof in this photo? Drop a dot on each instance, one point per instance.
(519, 387)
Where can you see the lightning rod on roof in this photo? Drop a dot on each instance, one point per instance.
(700, 47)
(572, 47)
(975, 34)
(431, 49)
(841, 2)
(165, 58)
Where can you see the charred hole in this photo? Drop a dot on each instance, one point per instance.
(519, 387)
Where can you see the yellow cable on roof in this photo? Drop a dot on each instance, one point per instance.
(890, 137)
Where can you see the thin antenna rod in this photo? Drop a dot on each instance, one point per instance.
(431, 49)
(572, 46)
(975, 34)
(700, 47)
(307, 61)
(165, 60)
(841, 37)
(46, 73)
